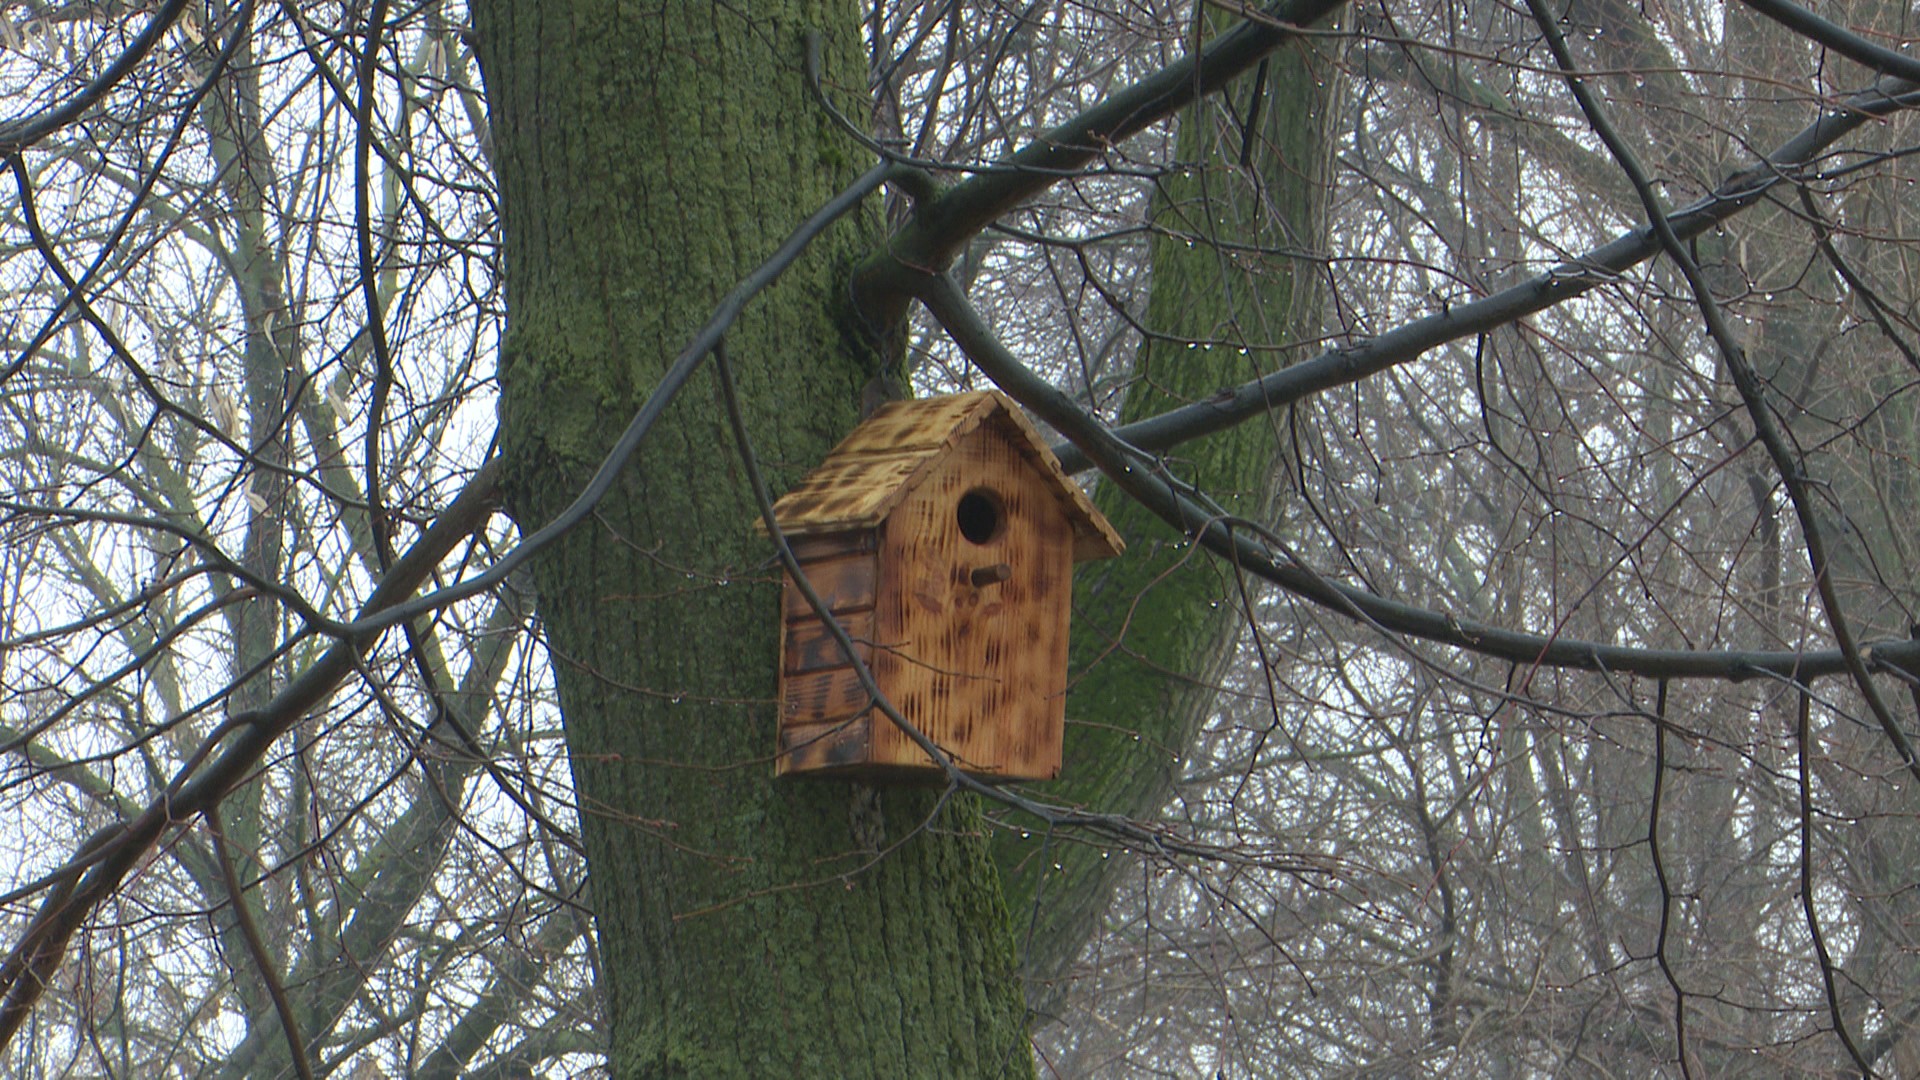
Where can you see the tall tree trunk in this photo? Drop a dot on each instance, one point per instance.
(1234, 293)
(748, 927)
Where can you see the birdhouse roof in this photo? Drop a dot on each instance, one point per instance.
(879, 462)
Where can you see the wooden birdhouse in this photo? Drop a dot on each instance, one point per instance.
(942, 535)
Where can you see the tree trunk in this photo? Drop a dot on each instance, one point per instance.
(1155, 631)
(748, 927)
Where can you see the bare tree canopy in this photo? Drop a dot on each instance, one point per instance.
(1512, 414)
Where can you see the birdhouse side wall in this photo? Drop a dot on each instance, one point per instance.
(824, 719)
(976, 663)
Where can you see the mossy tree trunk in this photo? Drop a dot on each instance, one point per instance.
(1234, 293)
(748, 928)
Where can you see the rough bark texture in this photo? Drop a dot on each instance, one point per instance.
(1154, 630)
(748, 927)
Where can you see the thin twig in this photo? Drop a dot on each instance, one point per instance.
(1803, 743)
(1655, 804)
(257, 947)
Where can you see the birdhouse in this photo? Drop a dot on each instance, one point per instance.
(942, 535)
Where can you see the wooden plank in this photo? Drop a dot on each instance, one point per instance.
(921, 425)
(845, 584)
(820, 747)
(818, 696)
(810, 646)
(845, 494)
(810, 549)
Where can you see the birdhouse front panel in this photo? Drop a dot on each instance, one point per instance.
(976, 577)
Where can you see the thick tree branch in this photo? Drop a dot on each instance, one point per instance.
(223, 761)
(378, 527)
(940, 227)
(1839, 39)
(17, 135)
(1809, 906)
(1138, 474)
(1347, 364)
(670, 384)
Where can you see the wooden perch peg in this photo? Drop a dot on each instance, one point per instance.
(984, 576)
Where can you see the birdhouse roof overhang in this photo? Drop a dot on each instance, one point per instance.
(875, 466)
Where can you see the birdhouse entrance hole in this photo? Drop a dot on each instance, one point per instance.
(979, 516)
